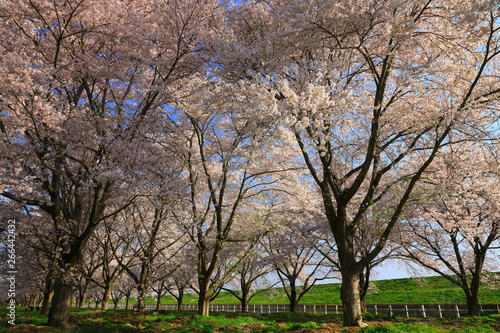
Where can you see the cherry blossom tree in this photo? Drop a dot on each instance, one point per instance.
(229, 164)
(453, 227)
(296, 259)
(87, 268)
(79, 86)
(147, 242)
(109, 272)
(179, 280)
(250, 278)
(368, 89)
(125, 288)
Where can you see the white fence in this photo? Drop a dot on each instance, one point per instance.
(405, 310)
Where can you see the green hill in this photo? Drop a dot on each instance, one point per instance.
(427, 290)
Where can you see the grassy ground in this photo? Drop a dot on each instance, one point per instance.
(127, 321)
(403, 291)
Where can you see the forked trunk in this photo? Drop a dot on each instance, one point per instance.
(61, 304)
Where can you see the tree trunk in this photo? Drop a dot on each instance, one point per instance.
(180, 299)
(127, 301)
(46, 302)
(141, 299)
(293, 297)
(203, 301)
(83, 296)
(158, 301)
(244, 297)
(351, 300)
(472, 293)
(61, 304)
(472, 304)
(364, 283)
(105, 297)
(244, 304)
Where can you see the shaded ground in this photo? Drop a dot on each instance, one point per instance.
(171, 321)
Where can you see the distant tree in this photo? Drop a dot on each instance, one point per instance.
(87, 268)
(296, 259)
(147, 242)
(179, 281)
(245, 284)
(229, 162)
(453, 226)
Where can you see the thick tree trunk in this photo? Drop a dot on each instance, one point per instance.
(203, 301)
(351, 300)
(141, 298)
(473, 292)
(61, 304)
(105, 297)
(127, 301)
(473, 305)
(244, 304)
(158, 302)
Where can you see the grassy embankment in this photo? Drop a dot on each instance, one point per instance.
(428, 290)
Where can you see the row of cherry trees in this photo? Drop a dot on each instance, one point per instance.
(139, 137)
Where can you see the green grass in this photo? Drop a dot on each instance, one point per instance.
(123, 321)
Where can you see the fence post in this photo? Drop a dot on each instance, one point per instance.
(423, 311)
(314, 309)
(457, 310)
(406, 310)
(337, 309)
(390, 309)
(326, 309)
(376, 309)
(439, 311)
